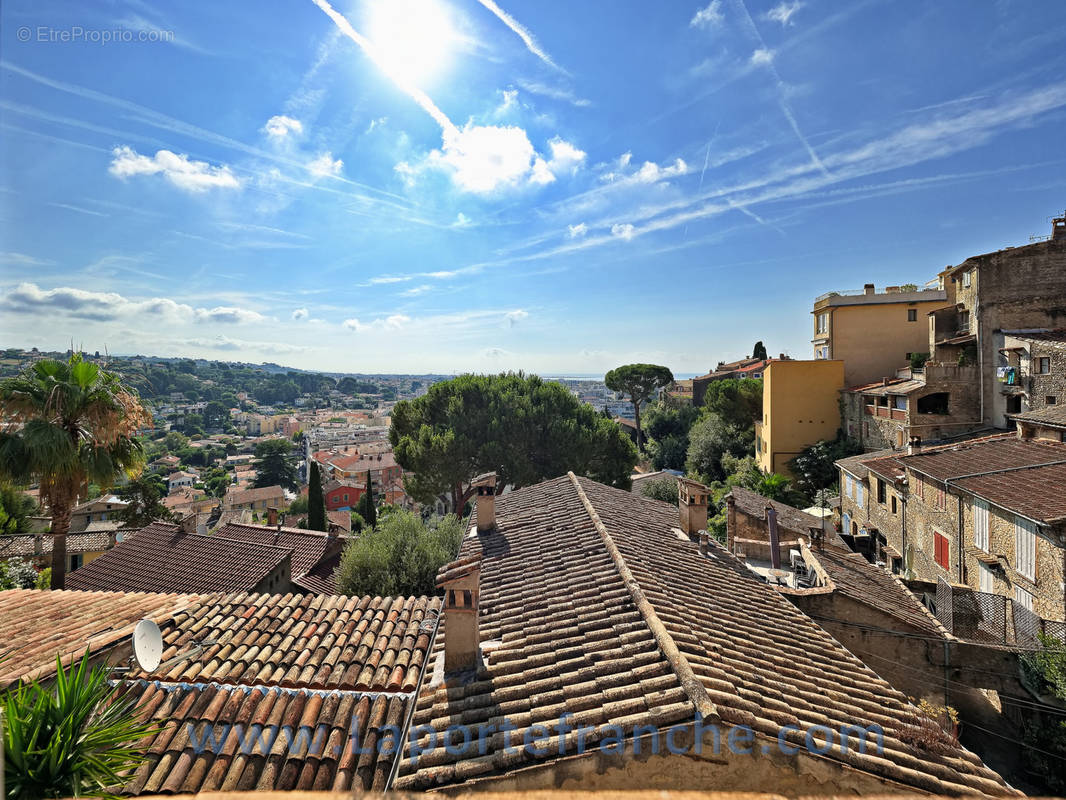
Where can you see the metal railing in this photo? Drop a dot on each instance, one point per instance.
(994, 618)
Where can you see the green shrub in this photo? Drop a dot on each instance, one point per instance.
(17, 573)
(664, 489)
(71, 737)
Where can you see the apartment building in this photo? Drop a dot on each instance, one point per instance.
(873, 333)
(800, 407)
(988, 513)
(1030, 374)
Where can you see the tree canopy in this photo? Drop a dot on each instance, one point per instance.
(815, 469)
(738, 401)
(144, 504)
(639, 382)
(668, 424)
(399, 557)
(759, 351)
(68, 424)
(316, 501)
(274, 464)
(522, 427)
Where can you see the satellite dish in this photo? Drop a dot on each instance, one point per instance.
(147, 645)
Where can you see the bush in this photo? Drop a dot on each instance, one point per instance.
(664, 489)
(18, 573)
(73, 738)
(44, 579)
(400, 557)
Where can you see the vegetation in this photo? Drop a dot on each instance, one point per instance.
(365, 507)
(316, 501)
(711, 440)
(664, 488)
(522, 427)
(17, 573)
(918, 360)
(814, 467)
(667, 424)
(74, 423)
(16, 509)
(738, 401)
(639, 382)
(399, 557)
(759, 351)
(76, 736)
(274, 464)
(145, 504)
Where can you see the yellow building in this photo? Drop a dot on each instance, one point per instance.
(873, 332)
(800, 406)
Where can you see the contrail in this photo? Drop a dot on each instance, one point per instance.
(523, 34)
(372, 53)
(785, 109)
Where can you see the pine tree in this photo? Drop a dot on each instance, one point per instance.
(759, 351)
(316, 503)
(367, 508)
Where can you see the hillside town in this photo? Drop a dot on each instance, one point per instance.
(869, 540)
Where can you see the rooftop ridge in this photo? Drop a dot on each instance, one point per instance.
(678, 663)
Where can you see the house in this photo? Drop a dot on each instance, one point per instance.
(873, 333)
(986, 513)
(98, 514)
(628, 426)
(82, 547)
(236, 557)
(164, 464)
(1031, 375)
(256, 500)
(695, 389)
(181, 479)
(386, 475)
(800, 407)
(1045, 423)
(224, 717)
(342, 495)
(582, 622)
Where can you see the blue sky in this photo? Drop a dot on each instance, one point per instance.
(446, 185)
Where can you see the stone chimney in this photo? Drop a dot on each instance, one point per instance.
(486, 501)
(692, 502)
(730, 521)
(775, 538)
(272, 517)
(705, 543)
(1058, 228)
(868, 288)
(460, 581)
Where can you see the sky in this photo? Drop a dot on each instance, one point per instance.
(412, 186)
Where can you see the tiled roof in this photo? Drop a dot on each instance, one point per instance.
(252, 495)
(307, 546)
(36, 626)
(1057, 335)
(1049, 415)
(1035, 492)
(1005, 451)
(161, 558)
(591, 604)
(856, 465)
(319, 579)
(858, 579)
(788, 518)
(22, 544)
(880, 389)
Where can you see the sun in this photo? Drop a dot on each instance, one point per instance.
(414, 39)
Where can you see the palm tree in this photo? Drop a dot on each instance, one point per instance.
(64, 425)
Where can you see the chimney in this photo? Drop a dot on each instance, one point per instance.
(775, 539)
(486, 501)
(1058, 228)
(692, 502)
(730, 521)
(914, 445)
(705, 543)
(460, 581)
(272, 517)
(868, 288)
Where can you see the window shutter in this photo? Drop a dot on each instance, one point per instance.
(980, 523)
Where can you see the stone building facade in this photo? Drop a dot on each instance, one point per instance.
(1030, 373)
(987, 514)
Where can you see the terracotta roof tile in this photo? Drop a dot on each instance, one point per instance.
(629, 624)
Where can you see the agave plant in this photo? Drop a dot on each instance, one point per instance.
(72, 737)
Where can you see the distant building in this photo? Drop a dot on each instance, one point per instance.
(255, 500)
(695, 389)
(181, 479)
(800, 408)
(873, 333)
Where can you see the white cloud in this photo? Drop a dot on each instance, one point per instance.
(29, 298)
(577, 231)
(510, 100)
(280, 126)
(462, 221)
(555, 93)
(648, 172)
(414, 291)
(565, 157)
(392, 322)
(192, 176)
(709, 17)
(541, 175)
(783, 12)
(229, 344)
(325, 166)
(516, 316)
(300, 313)
(762, 57)
(623, 231)
(376, 123)
(390, 279)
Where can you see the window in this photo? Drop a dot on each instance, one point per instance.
(1023, 598)
(845, 521)
(860, 494)
(942, 550)
(980, 524)
(1050, 400)
(894, 504)
(1014, 404)
(919, 488)
(1043, 365)
(912, 315)
(940, 498)
(986, 580)
(967, 279)
(822, 322)
(881, 491)
(936, 403)
(1025, 548)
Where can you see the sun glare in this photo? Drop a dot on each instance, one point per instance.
(414, 38)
